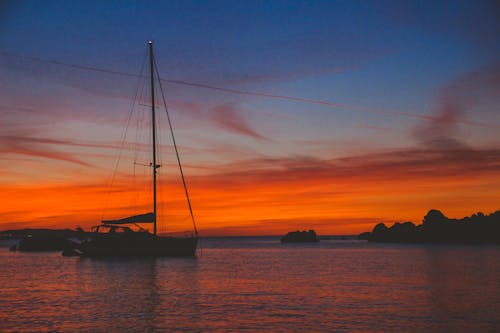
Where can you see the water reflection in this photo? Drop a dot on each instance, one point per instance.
(332, 287)
(125, 292)
(456, 278)
(178, 284)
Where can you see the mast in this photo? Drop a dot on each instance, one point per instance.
(151, 63)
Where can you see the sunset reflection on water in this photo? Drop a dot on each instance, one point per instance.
(257, 284)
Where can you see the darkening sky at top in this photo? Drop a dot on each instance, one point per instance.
(411, 89)
(242, 41)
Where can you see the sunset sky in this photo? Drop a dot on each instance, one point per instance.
(332, 115)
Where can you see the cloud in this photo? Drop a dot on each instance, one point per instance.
(226, 116)
(398, 184)
(456, 101)
(272, 195)
(229, 118)
(442, 129)
(476, 87)
(41, 140)
(375, 128)
(29, 147)
(390, 166)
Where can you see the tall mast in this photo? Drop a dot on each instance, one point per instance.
(151, 63)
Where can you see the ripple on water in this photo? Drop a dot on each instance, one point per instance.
(257, 285)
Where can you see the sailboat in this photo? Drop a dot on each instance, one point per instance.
(115, 238)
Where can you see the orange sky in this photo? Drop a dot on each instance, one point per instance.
(337, 196)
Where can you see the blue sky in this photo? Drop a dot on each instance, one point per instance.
(392, 56)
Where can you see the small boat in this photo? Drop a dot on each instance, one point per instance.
(31, 240)
(32, 243)
(117, 238)
(300, 237)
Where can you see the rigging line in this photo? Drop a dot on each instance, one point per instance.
(254, 93)
(140, 117)
(57, 62)
(175, 148)
(321, 102)
(159, 160)
(122, 143)
(136, 145)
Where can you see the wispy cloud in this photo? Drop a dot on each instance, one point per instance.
(456, 102)
(389, 166)
(36, 148)
(374, 128)
(442, 129)
(474, 88)
(229, 117)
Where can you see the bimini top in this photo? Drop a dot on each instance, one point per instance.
(141, 218)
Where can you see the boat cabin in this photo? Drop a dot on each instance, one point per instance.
(119, 229)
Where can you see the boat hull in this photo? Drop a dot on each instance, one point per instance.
(139, 245)
(42, 243)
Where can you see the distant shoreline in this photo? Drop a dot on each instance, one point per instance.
(436, 228)
(68, 233)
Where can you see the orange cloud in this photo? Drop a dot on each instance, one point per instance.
(35, 147)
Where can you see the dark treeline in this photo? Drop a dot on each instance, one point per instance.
(437, 228)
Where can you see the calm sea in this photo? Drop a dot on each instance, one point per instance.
(257, 284)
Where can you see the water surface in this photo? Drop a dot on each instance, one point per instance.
(257, 284)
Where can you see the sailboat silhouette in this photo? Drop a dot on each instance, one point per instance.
(115, 238)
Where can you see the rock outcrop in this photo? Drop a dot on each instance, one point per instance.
(437, 228)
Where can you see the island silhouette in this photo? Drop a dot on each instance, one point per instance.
(437, 228)
(300, 237)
